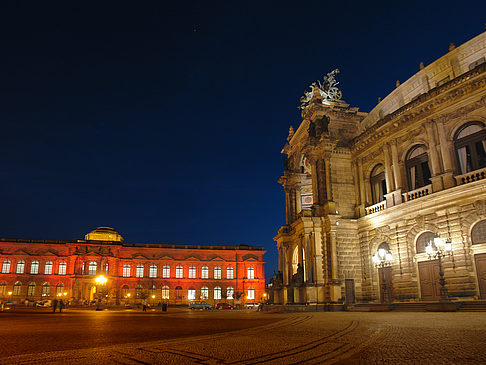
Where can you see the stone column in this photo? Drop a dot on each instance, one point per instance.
(335, 287)
(287, 205)
(361, 182)
(388, 170)
(446, 151)
(397, 174)
(328, 177)
(434, 157)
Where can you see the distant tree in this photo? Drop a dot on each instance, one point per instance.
(238, 294)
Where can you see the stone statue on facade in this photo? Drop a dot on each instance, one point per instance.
(327, 89)
(298, 277)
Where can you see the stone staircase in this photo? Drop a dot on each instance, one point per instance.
(473, 306)
(467, 306)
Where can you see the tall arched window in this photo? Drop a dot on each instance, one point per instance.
(125, 291)
(59, 288)
(423, 240)
(378, 184)
(229, 273)
(34, 267)
(251, 294)
(62, 268)
(230, 292)
(470, 146)
(204, 292)
(126, 271)
(217, 272)
(153, 271)
(179, 272)
(204, 272)
(92, 267)
(165, 292)
(3, 289)
(20, 267)
(192, 272)
(138, 291)
(48, 268)
(250, 273)
(16, 288)
(478, 233)
(417, 165)
(46, 290)
(6, 267)
(166, 272)
(31, 290)
(139, 271)
(217, 293)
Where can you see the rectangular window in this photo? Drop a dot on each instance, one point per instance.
(48, 268)
(192, 272)
(126, 271)
(179, 272)
(205, 272)
(191, 294)
(204, 293)
(166, 272)
(229, 273)
(217, 273)
(34, 267)
(16, 289)
(139, 272)
(31, 290)
(251, 273)
(153, 271)
(229, 293)
(62, 268)
(251, 294)
(165, 292)
(20, 267)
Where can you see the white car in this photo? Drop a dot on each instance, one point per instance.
(43, 303)
(251, 305)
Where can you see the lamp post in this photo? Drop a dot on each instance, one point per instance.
(100, 280)
(383, 258)
(437, 249)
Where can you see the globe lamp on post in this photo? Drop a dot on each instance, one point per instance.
(381, 259)
(436, 250)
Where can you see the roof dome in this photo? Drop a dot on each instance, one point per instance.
(104, 234)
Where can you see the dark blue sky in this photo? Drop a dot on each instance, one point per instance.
(166, 121)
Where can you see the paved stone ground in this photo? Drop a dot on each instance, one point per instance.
(307, 338)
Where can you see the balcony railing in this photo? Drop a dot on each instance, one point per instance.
(470, 177)
(378, 207)
(417, 193)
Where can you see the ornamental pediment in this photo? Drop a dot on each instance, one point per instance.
(23, 251)
(139, 255)
(250, 257)
(193, 258)
(165, 257)
(217, 258)
(51, 253)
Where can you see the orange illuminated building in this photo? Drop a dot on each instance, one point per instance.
(32, 270)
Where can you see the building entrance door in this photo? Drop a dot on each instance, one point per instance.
(480, 260)
(349, 286)
(178, 295)
(429, 280)
(385, 291)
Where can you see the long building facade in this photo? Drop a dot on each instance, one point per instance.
(103, 266)
(410, 171)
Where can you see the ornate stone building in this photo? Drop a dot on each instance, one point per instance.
(43, 269)
(410, 170)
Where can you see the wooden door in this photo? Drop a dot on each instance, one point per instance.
(480, 260)
(386, 273)
(349, 286)
(429, 280)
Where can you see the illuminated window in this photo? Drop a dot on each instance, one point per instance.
(34, 267)
(166, 271)
(204, 292)
(92, 267)
(165, 292)
(153, 271)
(16, 288)
(179, 272)
(62, 268)
(192, 272)
(125, 291)
(217, 272)
(178, 293)
(59, 288)
(126, 271)
(250, 273)
(83, 268)
(204, 272)
(153, 290)
(139, 271)
(217, 293)
(20, 267)
(417, 166)
(251, 293)
(48, 268)
(229, 273)
(3, 289)
(6, 267)
(378, 184)
(138, 291)
(230, 292)
(191, 294)
(106, 268)
(478, 233)
(46, 290)
(31, 290)
(423, 240)
(470, 145)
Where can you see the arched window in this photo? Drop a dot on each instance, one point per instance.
(16, 288)
(92, 267)
(230, 292)
(204, 292)
(417, 166)
(191, 294)
(126, 271)
(478, 233)
(59, 288)
(106, 268)
(3, 289)
(20, 267)
(217, 272)
(250, 273)
(229, 273)
(31, 290)
(6, 267)
(166, 271)
(470, 146)
(125, 291)
(179, 272)
(48, 268)
(217, 293)
(62, 268)
(138, 291)
(139, 271)
(34, 267)
(153, 271)
(46, 290)
(165, 292)
(153, 290)
(378, 184)
(178, 293)
(251, 294)
(423, 240)
(192, 272)
(204, 272)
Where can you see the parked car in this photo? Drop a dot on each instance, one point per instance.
(43, 303)
(251, 305)
(224, 306)
(199, 304)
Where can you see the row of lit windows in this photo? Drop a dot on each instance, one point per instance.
(191, 293)
(46, 289)
(179, 272)
(34, 267)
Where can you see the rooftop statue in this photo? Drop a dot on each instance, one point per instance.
(327, 90)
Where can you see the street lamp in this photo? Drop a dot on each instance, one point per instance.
(383, 258)
(100, 280)
(437, 249)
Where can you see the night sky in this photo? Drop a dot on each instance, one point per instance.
(165, 120)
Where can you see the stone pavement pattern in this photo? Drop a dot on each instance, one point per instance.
(307, 338)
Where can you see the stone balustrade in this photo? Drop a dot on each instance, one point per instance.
(417, 193)
(376, 207)
(470, 176)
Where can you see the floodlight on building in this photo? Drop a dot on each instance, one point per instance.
(101, 280)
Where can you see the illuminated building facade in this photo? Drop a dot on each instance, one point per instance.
(43, 269)
(410, 170)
